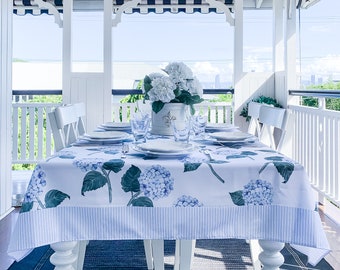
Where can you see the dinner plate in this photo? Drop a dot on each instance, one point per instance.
(230, 136)
(115, 126)
(106, 135)
(219, 127)
(164, 148)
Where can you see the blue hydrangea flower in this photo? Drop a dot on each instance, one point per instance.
(156, 182)
(88, 164)
(35, 187)
(186, 200)
(258, 192)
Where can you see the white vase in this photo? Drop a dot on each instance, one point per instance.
(161, 121)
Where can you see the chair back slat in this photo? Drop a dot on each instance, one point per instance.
(272, 118)
(254, 113)
(67, 124)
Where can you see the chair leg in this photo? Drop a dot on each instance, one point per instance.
(154, 252)
(184, 254)
(148, 254)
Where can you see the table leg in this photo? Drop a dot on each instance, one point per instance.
(64, 258)
(270, 257)
(158, 254)
(184, 254)
(148, 254)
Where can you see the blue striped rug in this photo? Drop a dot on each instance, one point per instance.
(222, 254)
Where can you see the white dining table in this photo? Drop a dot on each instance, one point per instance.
(212, 191)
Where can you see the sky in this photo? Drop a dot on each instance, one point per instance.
(203, 40)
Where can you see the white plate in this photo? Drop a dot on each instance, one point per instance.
(105, 135)
(115, 126)
(163, 154)
(230, 136)
(219, 127)
(165, 146)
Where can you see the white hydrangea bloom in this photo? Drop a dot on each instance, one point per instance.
(178, 72)
(162, 89)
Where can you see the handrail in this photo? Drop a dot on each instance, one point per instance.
(323, 93)
(114, 92)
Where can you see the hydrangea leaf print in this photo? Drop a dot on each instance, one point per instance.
(26, 207)
(55, 197)
(142, 201)
(114, 165)
(284, 168)
(92, 181)
(237, 197)
(129, 180)
(243, 154)
(188, 167)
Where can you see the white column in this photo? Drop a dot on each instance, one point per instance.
(6, 28)
(238, 59)
(67, 52)
(107, 103)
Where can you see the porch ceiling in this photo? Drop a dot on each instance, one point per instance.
(22, 7)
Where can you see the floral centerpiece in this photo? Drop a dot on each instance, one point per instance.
(178, 85)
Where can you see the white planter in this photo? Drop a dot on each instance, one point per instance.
(161, 121)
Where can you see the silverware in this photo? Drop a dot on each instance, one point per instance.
(125, 150)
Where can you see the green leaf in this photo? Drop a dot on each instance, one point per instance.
(142, 201)
(26, 207)
(274, 158)
(157, 106)
(267, 151)
(92, 181)
(114, 165)
(235, 156)
(130, 181)
(55, 197)
(217, 161)
(285, 169)
(248, 153)
(263, 167)
(237, 197)
(188, 167)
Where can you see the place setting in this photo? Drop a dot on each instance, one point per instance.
(103, 137)
(115, 126)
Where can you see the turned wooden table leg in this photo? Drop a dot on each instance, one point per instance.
(64, 258)
(270, 257)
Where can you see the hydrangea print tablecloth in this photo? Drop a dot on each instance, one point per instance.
(89, 192)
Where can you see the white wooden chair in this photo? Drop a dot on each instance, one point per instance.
(254, 113)
(272, 119)
(81, 114)
(64, 121)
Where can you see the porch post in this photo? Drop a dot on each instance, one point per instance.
(238, 58)
(6, 28)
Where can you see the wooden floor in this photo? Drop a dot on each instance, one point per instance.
(331, 228)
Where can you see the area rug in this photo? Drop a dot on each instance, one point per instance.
(223, 254)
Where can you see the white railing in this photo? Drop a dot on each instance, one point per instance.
(316, 146)
(32, 136)
(217, 112)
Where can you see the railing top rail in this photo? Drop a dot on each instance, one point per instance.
(324, 93)
(114, 92)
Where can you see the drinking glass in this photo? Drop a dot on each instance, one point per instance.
(140, 124)
(181, 130)
(199, 123)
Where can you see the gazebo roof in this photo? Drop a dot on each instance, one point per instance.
(22, 7)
